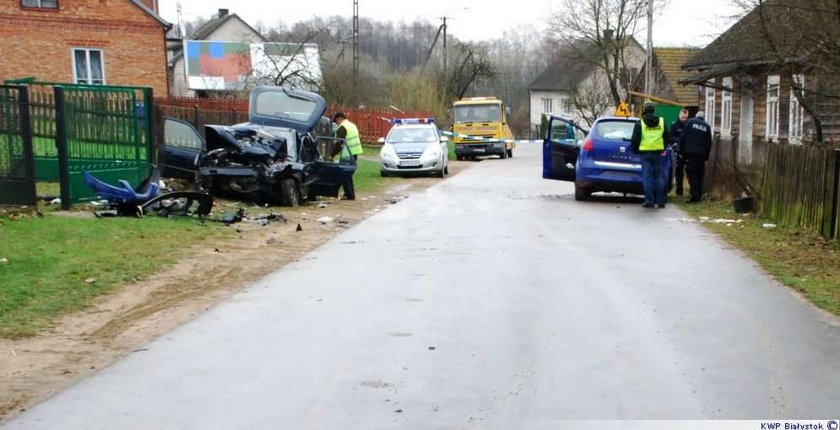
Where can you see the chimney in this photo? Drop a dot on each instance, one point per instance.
(223, 13)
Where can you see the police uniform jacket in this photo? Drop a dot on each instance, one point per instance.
(696, 138)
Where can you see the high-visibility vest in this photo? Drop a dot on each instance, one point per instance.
(652, 137)
(352, 138)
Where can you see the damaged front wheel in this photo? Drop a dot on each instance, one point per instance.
(289, 192)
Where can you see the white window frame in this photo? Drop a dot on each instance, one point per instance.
(40, 5)
(547, 105)
(726, 108)
(710, 106)
(771, 121)
(567, 105)
(796, 114)
(87, 60)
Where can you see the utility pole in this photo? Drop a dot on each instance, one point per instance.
(649, 62)
(444, 46)
(355, 47)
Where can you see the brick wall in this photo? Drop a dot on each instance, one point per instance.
(39, 42)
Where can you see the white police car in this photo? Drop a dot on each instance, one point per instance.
(414, 146)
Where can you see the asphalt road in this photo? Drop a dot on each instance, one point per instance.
(492, 300)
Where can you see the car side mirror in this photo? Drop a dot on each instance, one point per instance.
(380, 140)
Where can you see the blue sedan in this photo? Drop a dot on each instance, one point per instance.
(600, 162)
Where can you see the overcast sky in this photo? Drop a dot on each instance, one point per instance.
(681, 23)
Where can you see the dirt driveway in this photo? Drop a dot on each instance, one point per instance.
(120, 323)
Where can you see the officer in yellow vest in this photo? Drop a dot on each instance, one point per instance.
(350, 133)
(649, 140)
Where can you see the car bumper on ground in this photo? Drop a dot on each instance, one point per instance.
(484, 148)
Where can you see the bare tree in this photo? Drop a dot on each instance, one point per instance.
(590, 101)
(608, 27)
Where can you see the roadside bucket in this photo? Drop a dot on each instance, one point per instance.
(743, 205)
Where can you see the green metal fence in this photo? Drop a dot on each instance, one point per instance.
(104, 130)
(17, 176)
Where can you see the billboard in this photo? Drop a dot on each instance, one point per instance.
(226, 66)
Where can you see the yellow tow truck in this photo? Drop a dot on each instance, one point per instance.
(480, 127)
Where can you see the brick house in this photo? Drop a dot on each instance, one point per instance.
(112, 42)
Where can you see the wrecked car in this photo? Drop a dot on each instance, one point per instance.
(284, 154)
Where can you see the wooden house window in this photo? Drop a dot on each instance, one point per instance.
(547, 105)
(726, 109)
(88, 66)
(796, 117)
(567, 105)
(772, 120)
(40, 4)
(710, 105)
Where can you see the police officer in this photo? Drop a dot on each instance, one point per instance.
(696, 145)
(676, 134)
(649, 139)
(350, 133)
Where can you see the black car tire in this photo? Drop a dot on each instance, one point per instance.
(289, 192)
(582, 194)
(440, 173)
(446, 169)
(504, 154)
(510, 153)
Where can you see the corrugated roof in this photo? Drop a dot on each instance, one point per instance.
(670, 61)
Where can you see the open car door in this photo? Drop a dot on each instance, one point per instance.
(329, 172)
(561, 147)
(182, 145)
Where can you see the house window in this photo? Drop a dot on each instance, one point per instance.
(567, 105)
(796, 111)
(40, 4)
(726, 108)
(710, 105)
(547, 105)
(88, 66)
(772, 120)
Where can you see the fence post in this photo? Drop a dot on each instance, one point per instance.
(835, 195)
(28, 149)
(195, 116)
(61, 145)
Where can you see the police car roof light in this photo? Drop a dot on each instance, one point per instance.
(413, 121)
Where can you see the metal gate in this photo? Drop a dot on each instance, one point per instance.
(104, 130)
(17, 169)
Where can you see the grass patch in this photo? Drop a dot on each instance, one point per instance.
(367, 177)
(799, 259)
(49, 260)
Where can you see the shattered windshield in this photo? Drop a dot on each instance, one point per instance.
(412, 135)
(278, 104)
